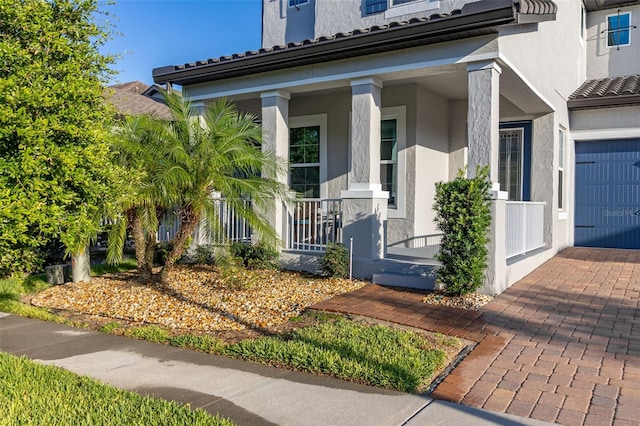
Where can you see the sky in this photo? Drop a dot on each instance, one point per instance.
(149, 34)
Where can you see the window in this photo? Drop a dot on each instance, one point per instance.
(304, 161)
(510, 174)
(395, 8)
(393, 158)
(389, 159)
(514, 168)
(294, 3)
(308, 155)
(398, 2)
(375, 6)
(618, 29)
(561, 162)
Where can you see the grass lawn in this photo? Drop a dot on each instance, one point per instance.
(31, 393)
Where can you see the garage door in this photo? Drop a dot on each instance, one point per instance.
(607, 210)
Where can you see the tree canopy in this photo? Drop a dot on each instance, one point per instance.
(56, 178)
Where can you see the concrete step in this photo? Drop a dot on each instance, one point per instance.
(421, 282)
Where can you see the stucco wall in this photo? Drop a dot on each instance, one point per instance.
(604, 61)
(432, 157)
(337, 107)
(327, 17)
(549, 54)
(606, 119)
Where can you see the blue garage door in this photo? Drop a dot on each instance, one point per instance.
(607, 210)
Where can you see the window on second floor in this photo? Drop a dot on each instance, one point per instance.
(395, 8)
(619, 29)
(294, 3)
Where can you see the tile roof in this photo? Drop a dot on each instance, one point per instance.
(128, 99)
(475, 18)
(603, 92)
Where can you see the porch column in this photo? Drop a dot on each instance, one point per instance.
(275, 134)
(364, 204)
(483, 126)
(483, 117)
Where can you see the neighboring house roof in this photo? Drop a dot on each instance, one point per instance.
(474, 19)
(133, 99)
(606, 92)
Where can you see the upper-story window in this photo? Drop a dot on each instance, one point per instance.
(619, 29)
(394, 8)
(294, 3)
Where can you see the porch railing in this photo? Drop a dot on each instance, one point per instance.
(313, 223)
(525, 227)
(230, 225)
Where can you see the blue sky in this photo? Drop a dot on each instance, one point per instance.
(154, 33)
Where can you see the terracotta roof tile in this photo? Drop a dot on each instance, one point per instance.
(612, 91)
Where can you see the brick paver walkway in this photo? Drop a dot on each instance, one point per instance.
(562, 345)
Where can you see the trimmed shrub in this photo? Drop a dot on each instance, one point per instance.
(335, 261)
(463, 214)
(257, 256)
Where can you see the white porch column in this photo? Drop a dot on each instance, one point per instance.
(364, 204)
(275, 133)
(483, 117)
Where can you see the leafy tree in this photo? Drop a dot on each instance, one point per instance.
(55, 173)
(463, 214)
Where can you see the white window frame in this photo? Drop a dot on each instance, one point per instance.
(398, 113)
(606, 22)
(308, 121)
(520, 130)
(562, 161)
(415, 6)
(300, 3)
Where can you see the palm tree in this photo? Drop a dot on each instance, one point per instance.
(147, 201)
(215, 150)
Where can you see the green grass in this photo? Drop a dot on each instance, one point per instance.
(105, 268)
(206, 344)
(33, 394)
(150, 333)
(376, 355)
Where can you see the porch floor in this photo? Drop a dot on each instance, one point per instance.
(421, 255)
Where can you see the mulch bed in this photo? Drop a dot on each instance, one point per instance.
(198, 299)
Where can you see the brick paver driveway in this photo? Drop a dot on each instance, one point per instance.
(562, 345)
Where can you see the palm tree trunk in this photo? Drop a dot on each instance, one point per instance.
(188, 223)
(140, 242)
(149, 250)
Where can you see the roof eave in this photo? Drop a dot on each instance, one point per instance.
(429, 32)
(605, 102)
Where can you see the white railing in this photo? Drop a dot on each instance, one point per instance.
(313, 223)
(230, 225)
(525, 227)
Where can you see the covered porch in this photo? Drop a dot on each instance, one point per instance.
(366, 140)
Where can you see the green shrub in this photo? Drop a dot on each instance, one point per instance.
(256, 256)
(335, 261)
(463, 214)
(205, 254)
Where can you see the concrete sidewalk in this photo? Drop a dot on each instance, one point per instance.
(249, 394)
